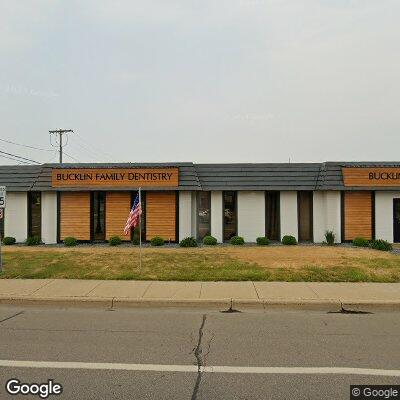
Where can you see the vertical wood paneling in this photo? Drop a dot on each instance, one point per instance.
(305, 215)
(75, 215)
(118, 205)
(161, 215)
(357, 215)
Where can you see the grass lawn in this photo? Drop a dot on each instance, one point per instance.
(275, 263)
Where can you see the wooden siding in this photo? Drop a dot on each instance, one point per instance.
(357, 215)
(305, 215)
(75, 215)
(371, 177)
(161, 215)
(118, 205)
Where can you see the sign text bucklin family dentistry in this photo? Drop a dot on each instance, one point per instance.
(115, 176)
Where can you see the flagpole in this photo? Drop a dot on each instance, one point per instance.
(140, 231)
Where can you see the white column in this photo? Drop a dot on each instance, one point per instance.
(319, 214)
(333, 213)
(251, 214)
(217, 216)
(194, 214)
(384, 215)
(326, 215)
(185, 214)
(49, 217)
(16, 216)
(288, 205)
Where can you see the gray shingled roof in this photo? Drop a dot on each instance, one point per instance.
(311, 176)
(38, 177)
(19, 178)
(258, 176)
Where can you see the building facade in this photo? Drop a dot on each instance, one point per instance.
(91, 202)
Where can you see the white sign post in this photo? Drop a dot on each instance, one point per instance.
(2, 207)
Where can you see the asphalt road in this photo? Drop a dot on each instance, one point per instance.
(190, 339)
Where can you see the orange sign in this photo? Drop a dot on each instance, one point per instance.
(371, 176)
(124, 177)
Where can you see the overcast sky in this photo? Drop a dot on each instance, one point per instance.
(202, 81)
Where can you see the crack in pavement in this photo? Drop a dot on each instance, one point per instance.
(198, 351)
(208, 348)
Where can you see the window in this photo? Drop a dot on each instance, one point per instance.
(305, 215)
(98, 216)
(203, 214)
(230, 215)
(272, 215)
(135, 231)
(34, 214)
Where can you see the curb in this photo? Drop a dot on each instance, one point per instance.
(220, 304)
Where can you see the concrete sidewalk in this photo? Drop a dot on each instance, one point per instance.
(311, 295)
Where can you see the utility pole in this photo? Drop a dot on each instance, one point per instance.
(60, 133)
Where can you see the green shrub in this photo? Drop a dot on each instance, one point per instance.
(188, 242)
(8, 240)
(209, 240)
(289, 240)
(262, 241)
(360, 242)
(70, 241)
(157, 241)
(33, 241)
(236, 240)
(135, 241)
(330, 238)
(381, 244)
(115, 241)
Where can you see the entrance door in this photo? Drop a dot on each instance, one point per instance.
(396, 220)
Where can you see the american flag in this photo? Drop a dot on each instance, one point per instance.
(133, 219)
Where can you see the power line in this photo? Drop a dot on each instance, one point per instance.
(53, 157)
(25, 145)
(87, 151)
(23, 158)
(13, 159)
(71, 157)
(93, 149)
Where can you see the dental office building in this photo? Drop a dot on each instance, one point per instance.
(91, 202)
